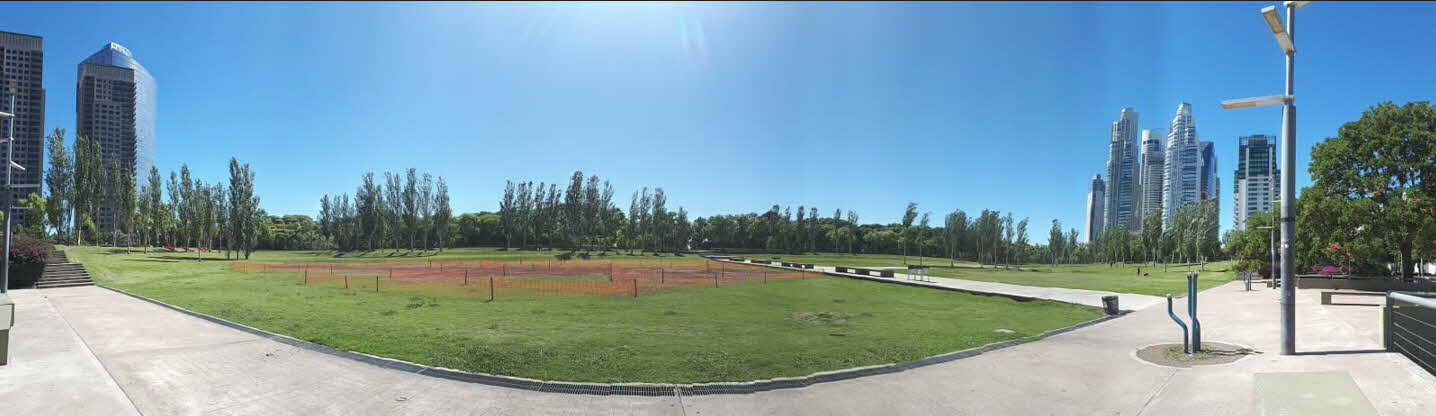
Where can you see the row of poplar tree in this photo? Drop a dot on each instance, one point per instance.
(81, 180)
(405, 208)
(584, 216)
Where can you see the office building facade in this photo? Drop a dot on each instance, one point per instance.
(1096, 212)
(1257, 180)
(1122, 172)
(1153, 168)
(22, 63)
(115, 106)
(1181, 181)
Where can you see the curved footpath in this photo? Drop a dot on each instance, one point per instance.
(138, 357)
(1125, 301)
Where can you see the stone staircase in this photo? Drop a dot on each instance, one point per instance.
(59, 272)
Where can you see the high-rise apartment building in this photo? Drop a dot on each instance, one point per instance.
(1153, 167)
(1096, 198)
(21, 63)
(115, 106)
(1181, 182)
(1257, 179)
(1208, 185)
(1122, 180)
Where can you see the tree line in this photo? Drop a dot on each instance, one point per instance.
(82, 182)
(1191, 237)
(584, 216)
(404, 209)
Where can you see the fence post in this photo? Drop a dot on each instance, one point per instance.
(346, 281)
(466, 277)
(491, 289)
(765, 276)
(1386, 322)
(715, 280)
(635, 287)
(661, 273)
(376, 283)
(306, 276)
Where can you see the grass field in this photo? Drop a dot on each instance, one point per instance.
(785, 328)
(856, 260)
(1118, 278)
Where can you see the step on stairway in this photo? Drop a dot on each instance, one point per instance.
(59, 272)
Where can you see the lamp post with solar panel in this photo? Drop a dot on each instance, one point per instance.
(1284, 38)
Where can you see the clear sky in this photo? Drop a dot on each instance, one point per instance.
(731, 107)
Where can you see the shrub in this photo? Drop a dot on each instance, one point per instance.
(27, 260)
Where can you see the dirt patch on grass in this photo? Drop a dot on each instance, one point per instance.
(829, 318)
(1213, 353)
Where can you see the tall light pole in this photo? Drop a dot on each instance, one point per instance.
(1284, 39)
(9, 144)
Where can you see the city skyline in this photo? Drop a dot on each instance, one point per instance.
(547, 114)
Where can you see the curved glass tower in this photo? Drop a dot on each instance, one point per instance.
(115, 101)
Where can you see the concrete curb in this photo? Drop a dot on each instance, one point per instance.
(623, 389)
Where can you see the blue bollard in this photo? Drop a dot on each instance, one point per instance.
(1185, 349)
(1192, 312)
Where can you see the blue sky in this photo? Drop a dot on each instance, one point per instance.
(731, 107)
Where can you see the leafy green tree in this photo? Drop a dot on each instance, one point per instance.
(908, 233)
(1380, 169)
(59, 181)
(442, 214)
(1055, 242)
(34, 206)
(243, 208)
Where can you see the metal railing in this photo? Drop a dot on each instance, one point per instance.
(1409, 327)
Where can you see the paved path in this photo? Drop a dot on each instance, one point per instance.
(51, 371)
(170, 363)
(1125, 301)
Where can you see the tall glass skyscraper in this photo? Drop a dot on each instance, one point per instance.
(1153, 170)
(1182, 180)
(1122, 180)
(115, 101)
(1096, 197)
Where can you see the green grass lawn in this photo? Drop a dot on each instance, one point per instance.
(489, 254)
(745, 332)
(1119, 278)
(855, 260)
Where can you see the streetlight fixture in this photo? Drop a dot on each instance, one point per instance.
(1285, 38)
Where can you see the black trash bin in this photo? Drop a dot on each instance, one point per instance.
(1109, 304)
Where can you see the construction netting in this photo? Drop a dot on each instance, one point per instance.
(527, 278)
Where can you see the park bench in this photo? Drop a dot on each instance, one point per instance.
(1327, 294)
(918, 272)
(866, 272)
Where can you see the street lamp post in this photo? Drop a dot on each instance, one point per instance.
(9, 144)
(1284, 38)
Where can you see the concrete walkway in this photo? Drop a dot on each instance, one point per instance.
(51, 370)
(1125, 301)
(167, 362)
